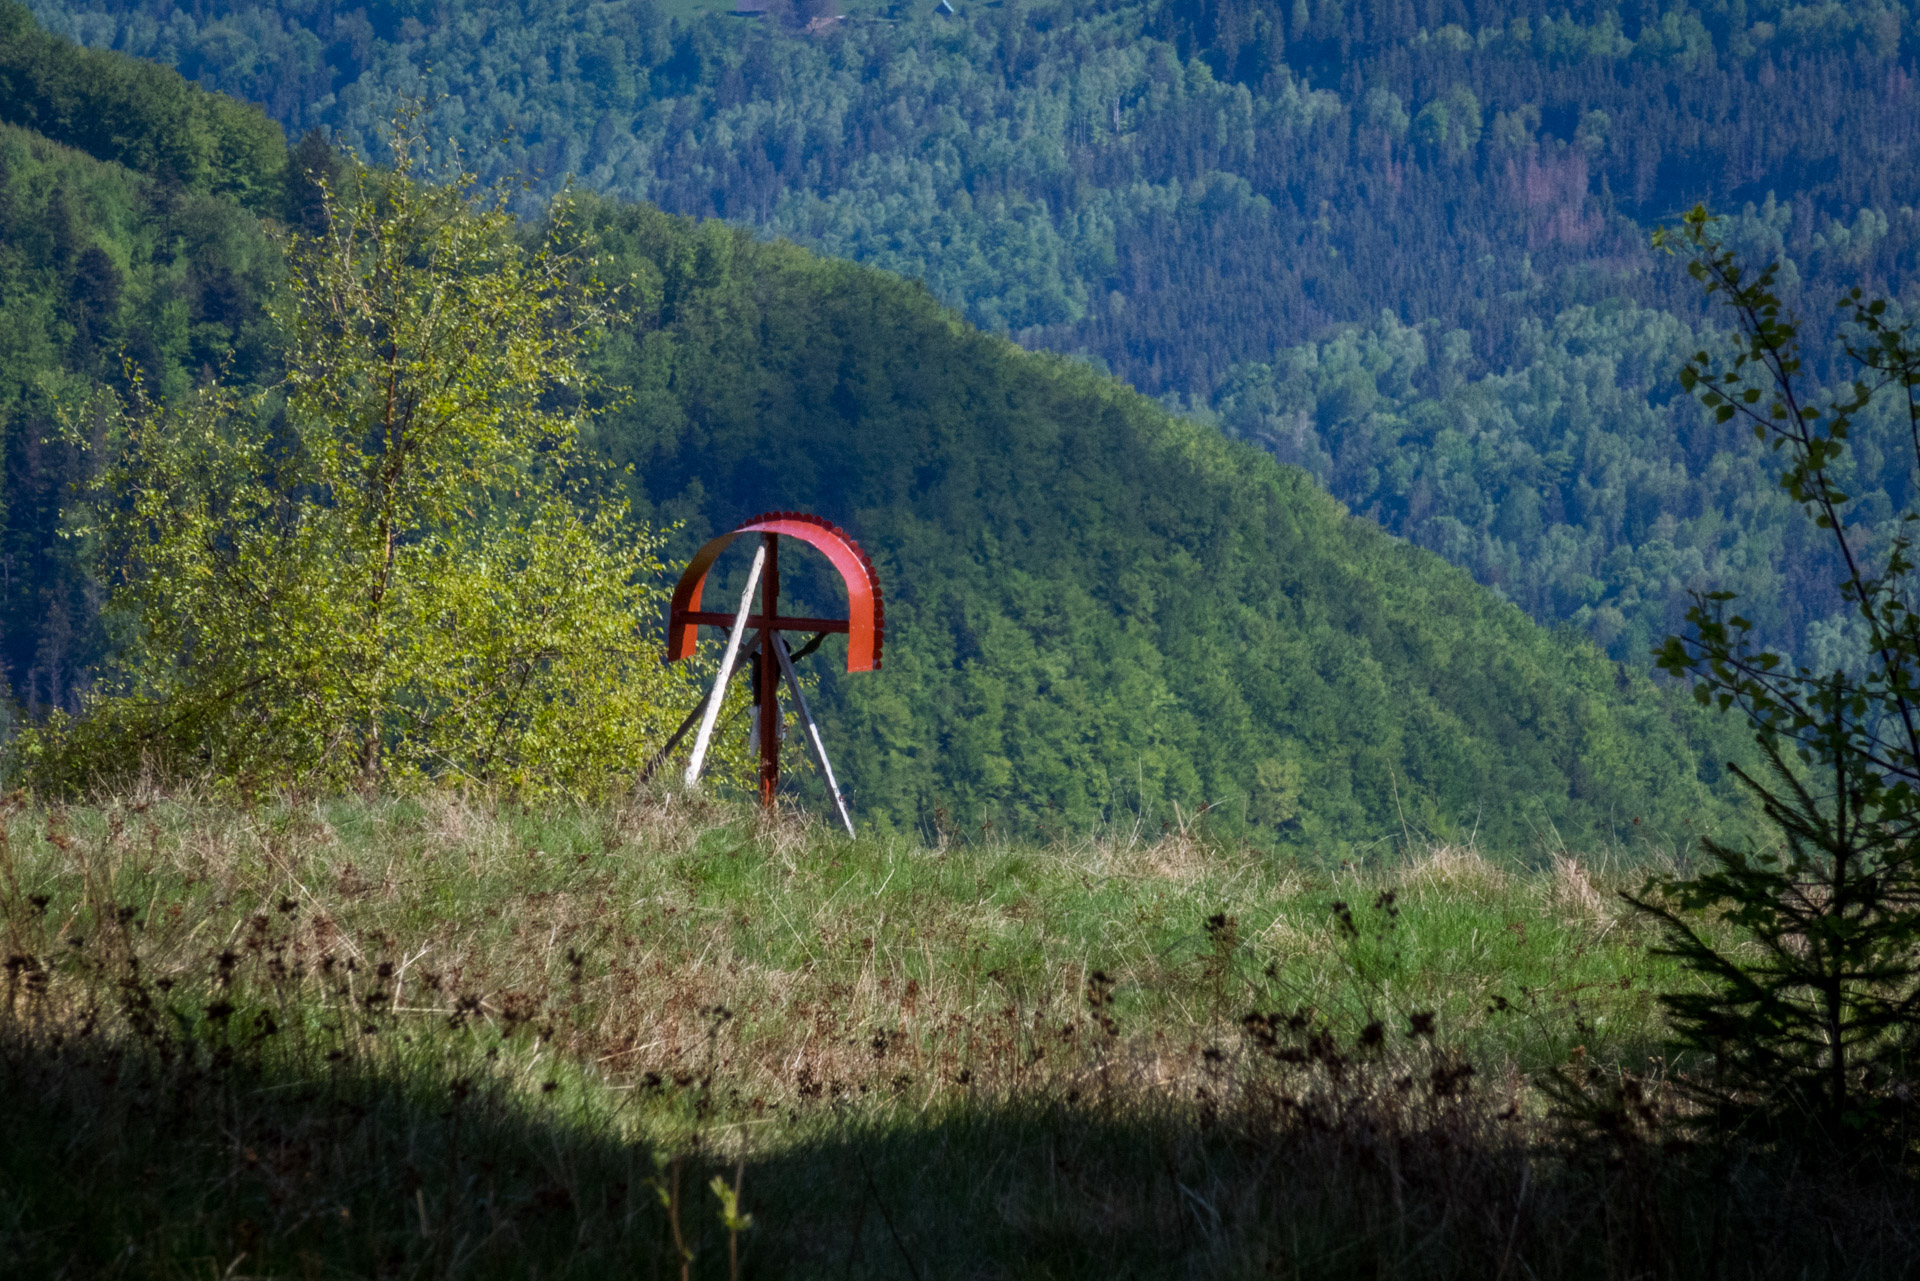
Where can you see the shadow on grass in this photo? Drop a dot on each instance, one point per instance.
(122, 1162)
(224, 1083)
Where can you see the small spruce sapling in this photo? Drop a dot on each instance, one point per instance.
(1808, 950)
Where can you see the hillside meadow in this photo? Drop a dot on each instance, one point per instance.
(447, 1036)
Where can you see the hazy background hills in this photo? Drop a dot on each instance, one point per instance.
(1399, 242)
(1098, 610)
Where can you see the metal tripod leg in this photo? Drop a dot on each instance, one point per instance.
(705, 735)
(813, 731)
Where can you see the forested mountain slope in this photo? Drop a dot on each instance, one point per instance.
(101, 264)
(1102, 605)
(1096, 609)
(1196, 193)
(96, 264)
(1578, 482)
(126, 110)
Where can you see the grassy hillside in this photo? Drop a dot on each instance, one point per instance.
(1097, 610)
(452, 1038)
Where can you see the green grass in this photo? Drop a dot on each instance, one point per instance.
(701, 906)
(440, 1038)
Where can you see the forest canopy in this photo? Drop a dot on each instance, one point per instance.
(1193, 194)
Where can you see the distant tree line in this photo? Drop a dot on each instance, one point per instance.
(1169, 188)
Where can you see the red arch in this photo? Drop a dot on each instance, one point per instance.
(864, 625)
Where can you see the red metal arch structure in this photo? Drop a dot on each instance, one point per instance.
(864, 626)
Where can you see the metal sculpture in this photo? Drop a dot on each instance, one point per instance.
(864, 627)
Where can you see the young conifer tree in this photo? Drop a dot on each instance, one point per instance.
(1808, 946)
(396, 565)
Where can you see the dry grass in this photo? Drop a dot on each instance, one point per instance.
(1453, 870)
(443, 1037)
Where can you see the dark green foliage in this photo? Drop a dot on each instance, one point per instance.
(1174, 187)
(138, 115)
(1812, 1019)
(1812, 1007)
(1572, 483)
(98, 265)
(147, 259)
(1098, 609)
(1205, 195)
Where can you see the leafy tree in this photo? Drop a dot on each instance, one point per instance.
(1811, 1005)
(392, 566)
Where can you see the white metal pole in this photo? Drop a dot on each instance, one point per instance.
(719, 694)
(813, 730)
(654, 762)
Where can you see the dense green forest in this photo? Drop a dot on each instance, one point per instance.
(1196, 194)
(97, 267)
(1096, 608)
(1562, 481)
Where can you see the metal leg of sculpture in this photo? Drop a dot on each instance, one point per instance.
(659, 758)
(705, 736)
(813, 732)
